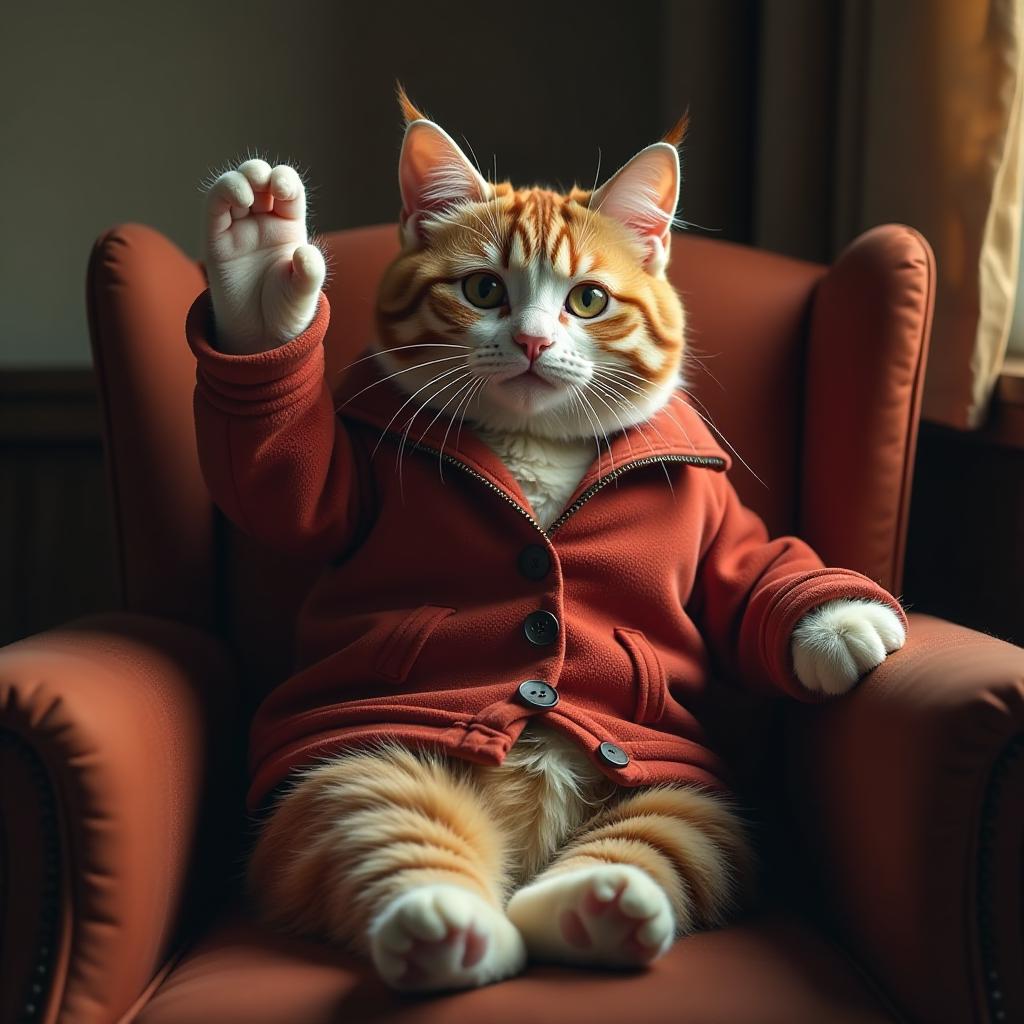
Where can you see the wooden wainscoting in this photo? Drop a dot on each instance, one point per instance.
(965, 544)
(56, 552)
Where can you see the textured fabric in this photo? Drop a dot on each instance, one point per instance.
(420, 626)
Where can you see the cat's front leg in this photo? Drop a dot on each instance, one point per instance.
(840, 641)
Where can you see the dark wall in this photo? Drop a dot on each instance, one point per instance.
(139, 102)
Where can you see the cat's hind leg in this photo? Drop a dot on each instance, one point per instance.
(392, 853)
(660, 863)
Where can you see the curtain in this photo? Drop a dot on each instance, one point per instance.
(861, 112)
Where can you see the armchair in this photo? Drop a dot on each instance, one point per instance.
(120, 735)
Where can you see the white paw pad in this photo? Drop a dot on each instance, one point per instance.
(443, 937)
(613, 915)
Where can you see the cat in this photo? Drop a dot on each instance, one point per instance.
(560, 335)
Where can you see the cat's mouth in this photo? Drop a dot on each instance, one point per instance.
(528, 391)
(531, 376)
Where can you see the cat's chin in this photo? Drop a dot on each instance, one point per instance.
(519, 414)
(528, 393)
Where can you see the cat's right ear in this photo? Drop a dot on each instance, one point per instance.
(434, 175)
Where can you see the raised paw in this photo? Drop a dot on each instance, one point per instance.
(840, 641)
(439, 937)
(264, 277)
(611, 915)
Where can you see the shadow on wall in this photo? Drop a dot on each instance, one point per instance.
(139, 103)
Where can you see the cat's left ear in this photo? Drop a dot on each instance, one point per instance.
(433, 174)
(642, 195)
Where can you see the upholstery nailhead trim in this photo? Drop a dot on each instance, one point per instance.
(34, 1000)
(986, 881)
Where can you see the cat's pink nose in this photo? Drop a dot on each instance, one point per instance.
(532, 345)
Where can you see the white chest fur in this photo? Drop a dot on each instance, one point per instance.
(547, 471)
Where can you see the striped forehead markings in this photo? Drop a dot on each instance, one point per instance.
(542, 222)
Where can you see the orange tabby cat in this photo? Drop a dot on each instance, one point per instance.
(376, 850)
(448, 873)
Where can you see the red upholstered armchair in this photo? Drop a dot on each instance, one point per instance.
(900, 808)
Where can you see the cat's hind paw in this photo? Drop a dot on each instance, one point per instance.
(839, 641)
(438, 937)
(609, 915)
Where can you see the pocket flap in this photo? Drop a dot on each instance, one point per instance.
(650, 676)
(401, 649)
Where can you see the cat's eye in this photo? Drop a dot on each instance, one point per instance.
(587, 300)
(485, 291)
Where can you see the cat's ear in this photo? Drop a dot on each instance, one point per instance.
(642, 195)
(434, 175)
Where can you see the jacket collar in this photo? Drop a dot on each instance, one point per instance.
(675, 431)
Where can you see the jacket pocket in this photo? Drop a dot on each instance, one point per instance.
(648, 673)
(399, 651)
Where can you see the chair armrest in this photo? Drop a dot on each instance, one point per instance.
(909, 794)
(105, 759)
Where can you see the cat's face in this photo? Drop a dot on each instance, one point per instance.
(530, 310)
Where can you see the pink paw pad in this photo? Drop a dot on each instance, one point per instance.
(575, 932)
(424, 954)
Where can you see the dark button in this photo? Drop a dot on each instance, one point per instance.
(541, 628)
(613, 755)
(537, 694)
(534, 561)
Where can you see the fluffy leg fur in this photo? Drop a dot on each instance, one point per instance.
(392, 854)
(542, 793)
(658, 864)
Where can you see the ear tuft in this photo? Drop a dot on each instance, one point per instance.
(677, 133)
(409, 111)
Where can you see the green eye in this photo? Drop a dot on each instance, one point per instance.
(485, 291)
(587, 300)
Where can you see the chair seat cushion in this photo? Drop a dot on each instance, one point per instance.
(771, 968)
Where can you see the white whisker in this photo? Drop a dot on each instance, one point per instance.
(577, 396)
(412, 419)
(418, 366)
(464, 401)
(431, 382)
(718, 434)
(465, 408)
(597, 419)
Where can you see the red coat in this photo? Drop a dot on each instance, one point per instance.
(441, 595)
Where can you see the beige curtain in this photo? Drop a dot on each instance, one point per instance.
(945, 96)
(869, 111)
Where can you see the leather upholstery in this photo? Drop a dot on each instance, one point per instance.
(891, 787)
(863, 377)
(138, 289)
(772, 969)
(119, 711)
(908, 793)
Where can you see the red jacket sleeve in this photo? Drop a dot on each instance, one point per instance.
(275, 456)
(751, 592)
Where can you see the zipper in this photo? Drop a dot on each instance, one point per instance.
(650, 460)
(597, 485)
